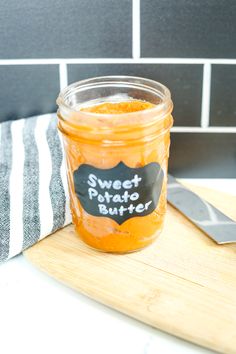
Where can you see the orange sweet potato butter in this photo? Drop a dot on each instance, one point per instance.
(117, 155)
(102, 232)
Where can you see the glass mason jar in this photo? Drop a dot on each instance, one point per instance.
(117, 162)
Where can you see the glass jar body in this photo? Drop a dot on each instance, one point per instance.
(138, 141)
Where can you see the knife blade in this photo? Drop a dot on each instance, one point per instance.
(204, 215)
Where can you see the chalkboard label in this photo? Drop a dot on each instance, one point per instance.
(119, 193)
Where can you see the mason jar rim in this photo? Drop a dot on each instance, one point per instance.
(152, 86)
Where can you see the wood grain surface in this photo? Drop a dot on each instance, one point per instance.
(184, 284)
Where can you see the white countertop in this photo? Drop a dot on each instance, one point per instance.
(38, 315)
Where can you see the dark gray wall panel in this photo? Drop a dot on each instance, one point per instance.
(188, 28)
(72, 28)
(27, 90)
(223, 99)
(184, 81)
(203, 155)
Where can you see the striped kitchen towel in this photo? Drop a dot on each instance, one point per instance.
(34, 198)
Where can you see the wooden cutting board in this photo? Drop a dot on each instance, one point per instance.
(183, 284)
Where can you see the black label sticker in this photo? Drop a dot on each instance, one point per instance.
(119, 193)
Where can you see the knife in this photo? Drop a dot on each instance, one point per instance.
(205, 216)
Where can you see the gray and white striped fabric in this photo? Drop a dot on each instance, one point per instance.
(34, 199)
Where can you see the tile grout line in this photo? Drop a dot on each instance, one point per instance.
(136, 29)
(206, 95)
(56, 61)
(63, 75)
(203, 130)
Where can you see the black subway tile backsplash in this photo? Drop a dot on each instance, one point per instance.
(223, 100)
(206, 155)
(67, 29)
(188, 28)
(184, 81)
(27, 90)
(103, 29)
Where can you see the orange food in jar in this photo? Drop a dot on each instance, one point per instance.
(117, 155)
